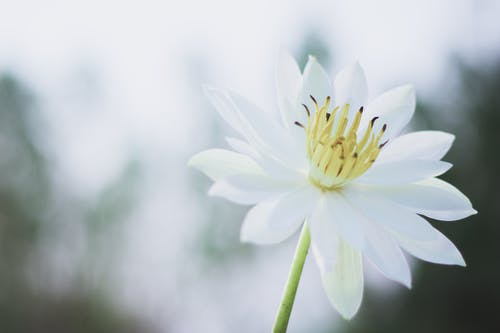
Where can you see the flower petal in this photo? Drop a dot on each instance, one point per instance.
(433, 198)
(324, 236)
(351, 88)
(259, 129)
(218, 163)
(389, 215)
(315, 82)
(403, 172)
(394, 108)
(346, 219)
(274, 221)
(423, 145)
(288, 84)
(269, 165)
(223, 105)
(439, 250)
(385, 254)
(252, 188)
(344, 284)
(267, 135)
(242, 147)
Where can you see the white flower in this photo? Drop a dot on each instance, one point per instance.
(338, 163)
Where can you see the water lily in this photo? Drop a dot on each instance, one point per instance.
(336, 164)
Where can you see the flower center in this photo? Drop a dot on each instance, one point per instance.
(335, 152)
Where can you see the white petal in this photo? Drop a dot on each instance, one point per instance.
(218, 163)
(403, 172)
(274, 221)
(385, 254)
(226, 109)
(315, 82)
(230, 112)
(267, 135)
(423, 145)
(288, 83)
(344, 284)
(351, 88)
(259, 129)
(433, 198)
(252, 188)
(347, 220)
(269, 165)
(390, 215)
(242, 147)
(394, 108)
(439, 250)
(324, 237)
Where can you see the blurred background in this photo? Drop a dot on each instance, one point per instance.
(103, 228)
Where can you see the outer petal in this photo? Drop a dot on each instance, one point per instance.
(423, 145)
(403, 172)
(344, 284)
(242, 147)
(218, 163)
(347, 220)
(324, 236)
(439, 250)
(433, 198)
(385, 254)
(288, 84)
(268, 136)
(270, 165)
(226, 109)
(394, 108)
(274, 221)
(264, 134)
(351, 88)
(379, 247)
(252, 188)
(390, 215)
(315, 82)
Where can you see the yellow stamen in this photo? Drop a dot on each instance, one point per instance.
(336, 156)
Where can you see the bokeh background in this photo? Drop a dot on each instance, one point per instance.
(103, 228)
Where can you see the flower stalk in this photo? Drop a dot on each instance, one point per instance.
(285, 309)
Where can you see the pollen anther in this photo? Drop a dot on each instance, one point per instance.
(335, 152)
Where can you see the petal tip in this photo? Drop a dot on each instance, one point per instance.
(461, 261)
(445, 166)
(212, 191)
(243, 237)
(357, 66)
(456, 259)
(408, 91)
(194, 161)
(410, 88)
(310, 57)
(349, 313)
(190, 162)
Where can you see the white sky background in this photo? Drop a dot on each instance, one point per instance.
(117, 78)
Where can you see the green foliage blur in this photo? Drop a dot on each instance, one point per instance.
(30, 205)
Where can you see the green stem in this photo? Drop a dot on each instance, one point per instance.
(281, 322)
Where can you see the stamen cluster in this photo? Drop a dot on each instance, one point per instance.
(335, 152)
